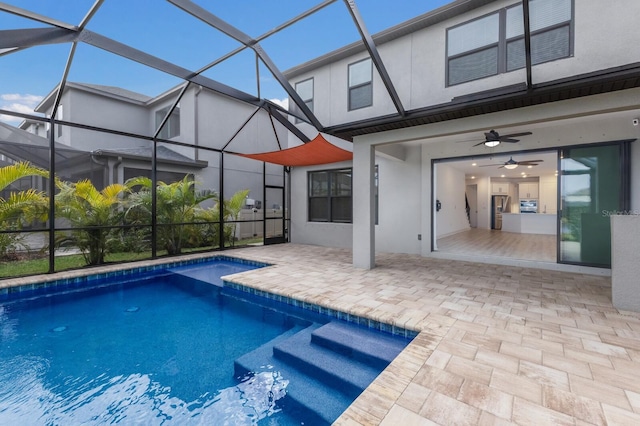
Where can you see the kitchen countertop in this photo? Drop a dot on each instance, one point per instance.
(529, 223)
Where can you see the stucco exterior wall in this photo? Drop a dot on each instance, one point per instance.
(399, 208)
(416, 62)
(625, 269)
(315, 233)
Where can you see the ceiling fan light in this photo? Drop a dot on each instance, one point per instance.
(510, 166)
(491, 144)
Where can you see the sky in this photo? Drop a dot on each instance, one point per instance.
(159, 28)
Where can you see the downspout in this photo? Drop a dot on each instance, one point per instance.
(114, 170)
(195, 122)
(105, 165)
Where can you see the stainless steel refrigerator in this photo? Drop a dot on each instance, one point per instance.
(499, 204)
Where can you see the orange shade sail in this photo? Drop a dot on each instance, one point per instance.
(317, 151)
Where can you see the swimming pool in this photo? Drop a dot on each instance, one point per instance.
(175, 346)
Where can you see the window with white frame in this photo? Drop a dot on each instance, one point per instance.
(304, 89)
(494, 43)
(360, 84)
(171, 128)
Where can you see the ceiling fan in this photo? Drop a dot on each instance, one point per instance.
(512, 164)
(493, 138)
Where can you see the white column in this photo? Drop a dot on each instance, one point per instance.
(625, 269)
(364, 250)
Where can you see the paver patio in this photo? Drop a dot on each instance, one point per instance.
(497, 344)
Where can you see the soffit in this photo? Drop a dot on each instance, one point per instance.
(502, 99)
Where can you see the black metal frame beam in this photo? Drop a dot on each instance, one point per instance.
(35, 17)
(375, 55)
(527, 41)
(223, 26)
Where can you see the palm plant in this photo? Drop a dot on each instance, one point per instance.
(93, 213)
(177, 205)
(231, 208)
(23, 206)
(20, 207)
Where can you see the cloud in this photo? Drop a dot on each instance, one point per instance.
(30, 99)
(17, 102)
(284, 103)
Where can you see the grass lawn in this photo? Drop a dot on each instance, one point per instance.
(18, 268)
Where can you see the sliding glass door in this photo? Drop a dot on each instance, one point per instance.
(593, 185)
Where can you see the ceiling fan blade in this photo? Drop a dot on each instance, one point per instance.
(492, 165)
(481, 143)
(515, 135)
(528, 162)
(508, 140)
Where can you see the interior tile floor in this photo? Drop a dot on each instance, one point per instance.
(490, 242)
(497, 344)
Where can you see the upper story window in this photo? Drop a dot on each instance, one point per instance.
(360, 84)
(171, 128)
(494, 43)
(305, 90)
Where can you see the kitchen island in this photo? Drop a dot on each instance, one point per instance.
(529, 223)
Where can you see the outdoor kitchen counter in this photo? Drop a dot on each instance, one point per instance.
(529, 223)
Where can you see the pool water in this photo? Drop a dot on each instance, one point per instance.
(149, 353)
(173, 347)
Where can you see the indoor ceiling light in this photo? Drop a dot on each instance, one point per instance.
(491, 144)
(510, 166)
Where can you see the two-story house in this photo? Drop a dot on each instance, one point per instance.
(551, 84)
(199, 126)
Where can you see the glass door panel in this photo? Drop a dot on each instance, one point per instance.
(590, 186)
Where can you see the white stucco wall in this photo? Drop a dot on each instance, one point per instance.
(315, 233)
(416, 63)
(399, 206)
(625, 269)
(101, 111)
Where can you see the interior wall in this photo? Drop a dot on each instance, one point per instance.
(450, 191)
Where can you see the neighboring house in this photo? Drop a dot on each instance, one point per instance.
(446, 78)
(200, 126)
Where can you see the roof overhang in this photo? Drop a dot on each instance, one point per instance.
(501, 99)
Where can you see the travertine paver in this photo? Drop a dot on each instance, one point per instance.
(497, 344)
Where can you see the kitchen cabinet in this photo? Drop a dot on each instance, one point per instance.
(528, 190)
(502, 188)
(548, 200)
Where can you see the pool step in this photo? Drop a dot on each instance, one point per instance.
(366, 345)
(328, 365)
(332, 368)
(321, 403)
